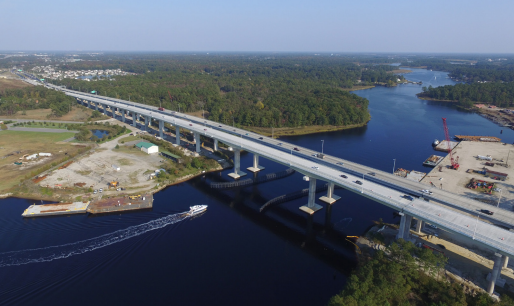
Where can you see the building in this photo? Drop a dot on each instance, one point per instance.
(171, 156)
(148, 147)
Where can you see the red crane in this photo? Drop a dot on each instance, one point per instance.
(455, 163)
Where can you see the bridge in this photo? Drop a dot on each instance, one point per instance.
(450, 212)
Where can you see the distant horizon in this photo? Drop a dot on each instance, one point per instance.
(206, 52)
(373, 26)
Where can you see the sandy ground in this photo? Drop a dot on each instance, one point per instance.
(96, 169)
(456, 180)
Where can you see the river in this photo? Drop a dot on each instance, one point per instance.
(232, 254)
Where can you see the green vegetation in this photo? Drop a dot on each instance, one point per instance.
(34, 97)
(258, 91)
(46, 125)
(499, 94)
(85, 129)
(407, 276)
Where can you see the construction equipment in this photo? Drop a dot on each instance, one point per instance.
(455, 163)
(114, 184)
(134, 197)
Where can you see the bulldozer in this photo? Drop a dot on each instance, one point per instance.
(114, 184)
(134, 197)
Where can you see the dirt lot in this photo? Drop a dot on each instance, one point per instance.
(12, 142)
(96, 169)
(456, 180)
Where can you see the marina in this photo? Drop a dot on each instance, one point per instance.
(56, 209)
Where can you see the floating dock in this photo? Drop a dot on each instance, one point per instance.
(443, 146)
(118, 204)
(433, 161)
(56, 209)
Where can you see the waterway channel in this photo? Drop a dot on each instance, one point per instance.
(232, 254)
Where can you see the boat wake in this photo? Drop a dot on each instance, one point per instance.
(23, 257)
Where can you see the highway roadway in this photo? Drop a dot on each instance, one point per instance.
(501, 217)
(377, 187)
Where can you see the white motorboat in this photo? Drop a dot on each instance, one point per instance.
(196, 209)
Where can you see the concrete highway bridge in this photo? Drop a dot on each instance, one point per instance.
(450, 212)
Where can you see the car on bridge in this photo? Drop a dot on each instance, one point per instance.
(190, 124)
(261, 138)
(485, 211)
(408, 197)
(358, 182)
(279, 143)
(296, 149)
(372, 173)
(426, 191)
(340, 164)
(315, 167)
(343, 176)
(219, 125)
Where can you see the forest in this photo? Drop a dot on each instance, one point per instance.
(499, 94)
(261, 91)
(407, 275)
(470, 71)
(14, 100)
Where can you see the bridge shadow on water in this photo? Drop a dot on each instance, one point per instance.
(320, 239)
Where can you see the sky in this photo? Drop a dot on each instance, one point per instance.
(449, 26)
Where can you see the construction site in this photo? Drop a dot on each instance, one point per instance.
(476, 167)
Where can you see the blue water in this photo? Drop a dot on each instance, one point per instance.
(100, 133)
(232, 254)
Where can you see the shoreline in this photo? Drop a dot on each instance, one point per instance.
(307, 130)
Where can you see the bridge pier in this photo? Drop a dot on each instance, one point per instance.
(88, 104)
(419, 226)
(161, 128)
(198, 142)
(215, 144)
(237, 165)
(330, 198)
(134, 116)
(104, 109)
(505, 261)
(495, 273)
(404, 231)
(96, 105)
(147, 120)
(177, 135)
(311, 206)
(123, 115)
(256, 167)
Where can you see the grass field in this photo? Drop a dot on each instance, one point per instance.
(77, 113)
(12, 84)
(129, 138)
(28, 143)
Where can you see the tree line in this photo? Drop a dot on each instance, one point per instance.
(406, 275)
(34, 97)
(284, 91)
(499, 94)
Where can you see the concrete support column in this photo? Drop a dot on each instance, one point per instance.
(505, 261)
(96, 105)
(419, 225)
(161, 128)
(177, 135)
(237, 165)
(134, 117)
(147, 120)
(123, 115)
(494, 274)
(330, 197)
(311, 206)
(401, 231)
(255, 167)
(198, 142)
(215, 144)
(88, 104)
(105, 109)
(408, 222)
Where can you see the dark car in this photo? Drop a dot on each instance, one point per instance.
(408, 197)
(296, 149)
(219, 125)
(372, 173)
(260, 138)
(343, 176)
(485, 211)
(358, 182)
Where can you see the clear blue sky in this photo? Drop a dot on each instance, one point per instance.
(237, 25)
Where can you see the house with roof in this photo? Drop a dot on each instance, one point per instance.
(147, 147)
